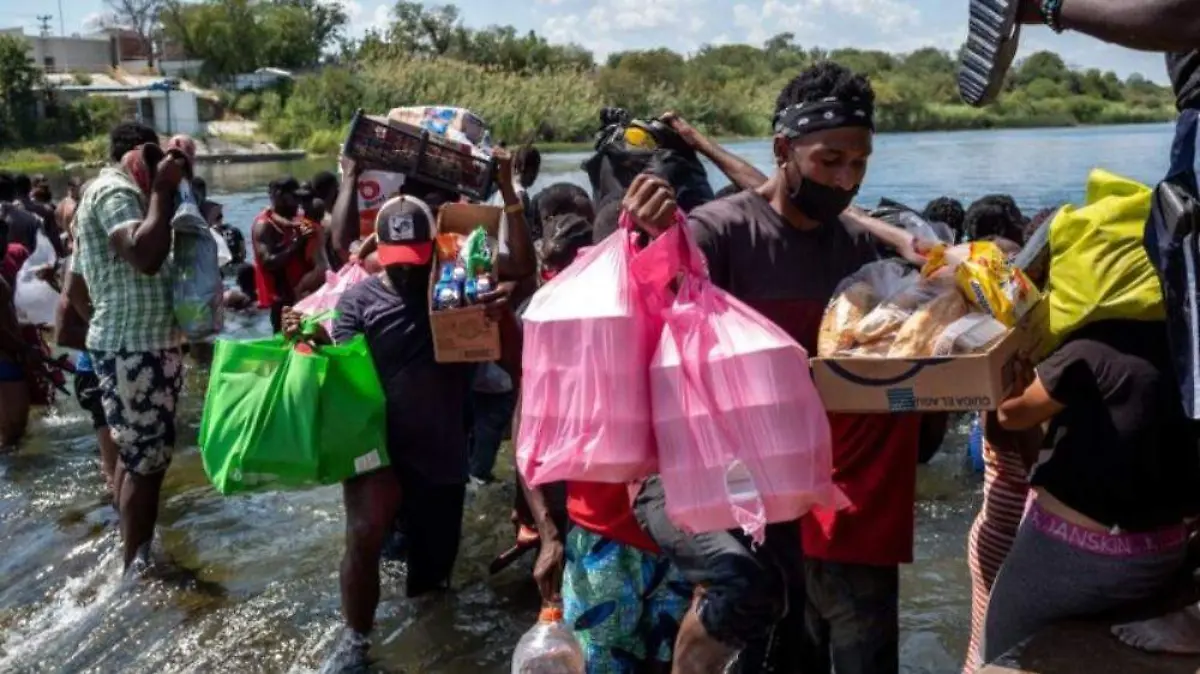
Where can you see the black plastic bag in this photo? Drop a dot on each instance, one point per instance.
(615, 164)
(1171, 242)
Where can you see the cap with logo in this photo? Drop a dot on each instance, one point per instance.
(405, 228)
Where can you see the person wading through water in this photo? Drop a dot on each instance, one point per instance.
(783, 248)
(426, 405)
(286, 251)
(123, 225)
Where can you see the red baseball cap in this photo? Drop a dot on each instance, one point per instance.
(404, 227)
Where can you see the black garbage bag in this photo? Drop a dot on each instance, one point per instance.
(1173, 248)
(616, 163)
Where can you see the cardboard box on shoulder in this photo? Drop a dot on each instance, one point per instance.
(464, 335)
(950, 384)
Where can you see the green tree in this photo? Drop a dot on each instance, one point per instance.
(19, 82)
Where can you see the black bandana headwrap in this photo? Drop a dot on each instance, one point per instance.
(828, 113)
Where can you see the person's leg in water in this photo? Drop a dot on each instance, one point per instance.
(371, 503)
(491, 415)
(853, 616)
(1177, 633)
(433, 528)
(14, 405)
(140, 392)
(87, 393)
(744, 593)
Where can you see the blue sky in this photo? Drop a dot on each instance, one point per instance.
(611, 25)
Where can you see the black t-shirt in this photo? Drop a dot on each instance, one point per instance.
(1184, 68)
(426, 400)
(1123, 453)
(23, 228)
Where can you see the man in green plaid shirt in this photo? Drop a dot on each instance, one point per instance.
(123, 234)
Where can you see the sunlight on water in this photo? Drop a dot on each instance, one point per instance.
(257, 585)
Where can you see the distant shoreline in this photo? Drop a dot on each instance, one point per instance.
(35, 160)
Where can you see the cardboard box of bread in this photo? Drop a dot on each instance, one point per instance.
(464, 267)
(945, 339)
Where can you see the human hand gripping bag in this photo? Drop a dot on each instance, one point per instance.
(326, 297)
(743, 439)
(278, 414)
(585, 391)
(197, 292)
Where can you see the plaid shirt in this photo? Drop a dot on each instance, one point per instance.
(131, 311)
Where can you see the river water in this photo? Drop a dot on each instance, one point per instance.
(264, 595)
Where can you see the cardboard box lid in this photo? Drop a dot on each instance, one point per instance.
(463, 218)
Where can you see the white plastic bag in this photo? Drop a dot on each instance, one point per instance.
(34, 299)
(224, 256)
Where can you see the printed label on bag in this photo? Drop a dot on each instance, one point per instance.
(367, 462)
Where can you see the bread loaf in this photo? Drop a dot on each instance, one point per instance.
(843, 313)
(916, 337)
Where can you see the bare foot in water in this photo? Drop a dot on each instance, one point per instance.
(1177, 633)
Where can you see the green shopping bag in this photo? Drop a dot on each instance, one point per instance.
(351, 415)
(259, 426)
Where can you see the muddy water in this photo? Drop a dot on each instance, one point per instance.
(262, 593)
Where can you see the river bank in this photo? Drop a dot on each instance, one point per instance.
(61, 160)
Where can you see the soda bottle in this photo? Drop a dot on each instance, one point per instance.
(548, 647)
(447, 294)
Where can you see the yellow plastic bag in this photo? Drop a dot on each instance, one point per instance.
(1099, 269)
(985, 277)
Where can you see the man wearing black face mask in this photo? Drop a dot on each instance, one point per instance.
(426, 404)
(782, 249)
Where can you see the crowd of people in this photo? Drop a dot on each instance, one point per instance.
(1091, 465)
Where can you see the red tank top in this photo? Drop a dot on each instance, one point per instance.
(266, 281)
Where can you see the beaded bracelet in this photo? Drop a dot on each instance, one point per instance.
(1051, 11)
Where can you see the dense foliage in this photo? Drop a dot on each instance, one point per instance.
(520, 83)
(232, 37)
(32, 113)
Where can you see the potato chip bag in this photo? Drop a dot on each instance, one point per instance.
(982, 272)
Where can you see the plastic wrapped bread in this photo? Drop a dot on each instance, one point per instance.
(974, 333)
(916, 337)
(884, 321)
(844, 313)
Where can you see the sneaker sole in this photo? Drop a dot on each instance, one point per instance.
(992, 38)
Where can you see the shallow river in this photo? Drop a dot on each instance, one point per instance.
(265, 596)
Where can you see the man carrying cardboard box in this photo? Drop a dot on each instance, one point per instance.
(426, 405)
(782, 249)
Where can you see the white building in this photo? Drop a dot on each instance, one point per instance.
(77, 53)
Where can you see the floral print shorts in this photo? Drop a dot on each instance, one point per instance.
(140, 393)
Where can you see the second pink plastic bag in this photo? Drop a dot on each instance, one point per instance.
(585, 389)
(326, 297)
(743, 439)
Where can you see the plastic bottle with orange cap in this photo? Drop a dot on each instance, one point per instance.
(548, 647)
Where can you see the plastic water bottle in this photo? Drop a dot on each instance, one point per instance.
(548, 648)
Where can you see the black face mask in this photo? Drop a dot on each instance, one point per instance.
(820, 202)
(410, 283)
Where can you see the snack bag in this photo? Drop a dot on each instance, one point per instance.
(983, 274)
(974, 333)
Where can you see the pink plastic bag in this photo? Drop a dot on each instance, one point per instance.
(326, 297)
(743, 439)
(585, 390)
